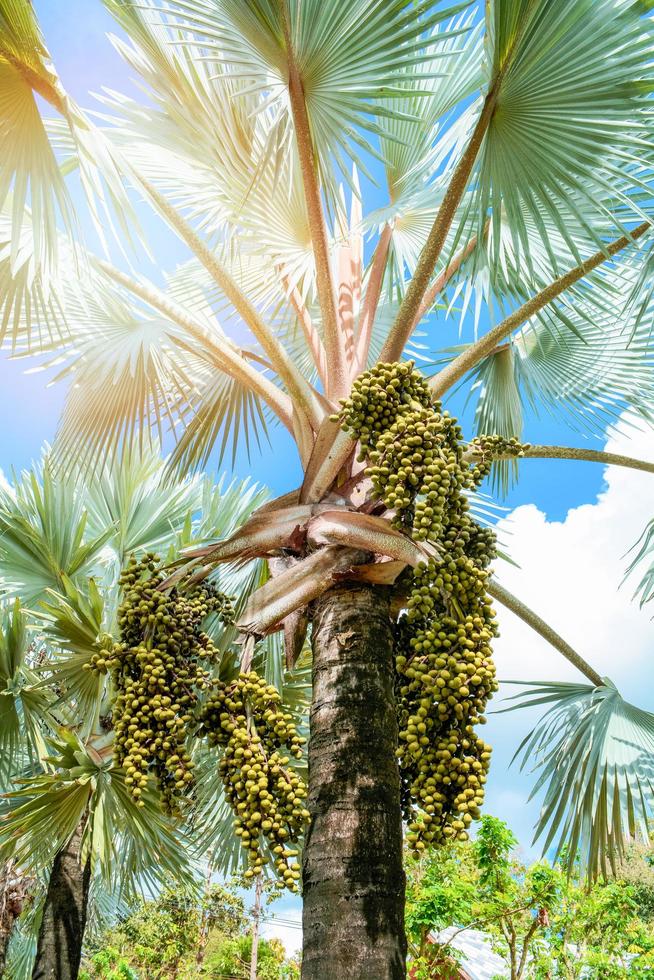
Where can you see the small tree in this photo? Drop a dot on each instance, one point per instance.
(543, 923)
(159, 939)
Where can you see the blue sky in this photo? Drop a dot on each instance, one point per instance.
(568, 527)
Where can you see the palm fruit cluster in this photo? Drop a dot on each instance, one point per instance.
(414, 451)
(486, 449)
(245, 716)
(444, 669)
(157, 672)
(444, 678)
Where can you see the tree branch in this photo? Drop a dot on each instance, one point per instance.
(336, 363)
(476, 352)
(539, 625)
(441, 281)
(298, 387)
(227, 359)
(525, 947)
(431, 251)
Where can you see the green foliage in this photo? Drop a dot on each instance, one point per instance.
(592, 751)
(181, 935)
(543, 923)
(63, 545)
(637, 869)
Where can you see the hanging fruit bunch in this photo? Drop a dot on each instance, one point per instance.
(245, 717)
(422, 470)
(158, 669)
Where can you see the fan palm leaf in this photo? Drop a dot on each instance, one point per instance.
(579, 76)
(592, 752)
(42, 535)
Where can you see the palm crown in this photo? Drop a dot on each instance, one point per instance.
(516, 152)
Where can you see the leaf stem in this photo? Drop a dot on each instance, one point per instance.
(227, 358)
(452, 268)
(49, 91)
(575, 453)
(336, 362)
(311, 335)
(298, 387)
(431, 251)
(476, 352)
(539, 625)
(371, 299)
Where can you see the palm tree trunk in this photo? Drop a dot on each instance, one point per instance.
(353, 880)
(59, 948)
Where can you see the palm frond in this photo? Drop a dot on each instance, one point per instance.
(24, 706)
(572, 117)
(592, 752)
(134, 498)
(644, 558)
(29, 169)
(351, 60)
(42, 535)
(136, 844)
(73, 622)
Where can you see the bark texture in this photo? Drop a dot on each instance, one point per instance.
(59, 948)
(353, 879)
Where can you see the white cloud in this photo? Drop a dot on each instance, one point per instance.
(570, 574)
(4, 482)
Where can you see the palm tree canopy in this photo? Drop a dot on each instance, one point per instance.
(514, 147)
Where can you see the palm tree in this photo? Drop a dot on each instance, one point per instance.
(515, 146)
(68, 818)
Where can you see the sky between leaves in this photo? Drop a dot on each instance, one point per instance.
(570, 524)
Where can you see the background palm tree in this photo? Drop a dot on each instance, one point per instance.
(515, 146)
(69, 821)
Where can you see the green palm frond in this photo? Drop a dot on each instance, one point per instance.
(350, 58)
(222, 411)
(139, 376)
(584, 365)
(24, 705)
(130, 381)
(29, 169)
(31, 308)
(136, 845)
(592, 752)
(74, 622)
(42, 535)
(453, 74)
(572, 119)
(644, 558)
(134, 498)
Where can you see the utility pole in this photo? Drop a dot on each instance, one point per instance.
(256, 915)
(204, 917)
